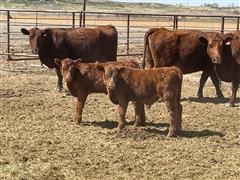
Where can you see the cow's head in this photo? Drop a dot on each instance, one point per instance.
(215, 44)
(110, 76)
(36, 38)
(235, 44)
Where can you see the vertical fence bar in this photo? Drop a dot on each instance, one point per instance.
(128, 25)
(36, 19)
(73, 19)
(8, 35)
(175, 22)
(80, 19)
(83, 18)
(222, 25)
(238, 24)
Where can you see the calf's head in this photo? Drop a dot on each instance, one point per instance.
(36, 38)
(110, 76)
(67, 68)
(215, 44)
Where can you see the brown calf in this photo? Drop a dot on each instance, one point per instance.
(145, 86)
(83, 79)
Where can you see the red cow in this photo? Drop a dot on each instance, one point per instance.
(89, 44)
(191, 50)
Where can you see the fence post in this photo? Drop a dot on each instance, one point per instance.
(73, 19)
(80, 19)
(83, 19)
(222, 26)
(175, 22)
(8, 35)
(128, 25)
(238, 24)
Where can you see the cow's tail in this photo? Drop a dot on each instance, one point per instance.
(146, 45)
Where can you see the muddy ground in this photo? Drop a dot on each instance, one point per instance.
(40, 141)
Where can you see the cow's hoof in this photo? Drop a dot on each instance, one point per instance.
(220, 96)
(77, 121)
(140, 124)
(170, 135)
(200, 96)
(58, 89)
(230, 105)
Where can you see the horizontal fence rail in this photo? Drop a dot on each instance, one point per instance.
(131, 27)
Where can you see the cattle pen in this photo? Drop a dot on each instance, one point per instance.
(131, 27)
(39, 139)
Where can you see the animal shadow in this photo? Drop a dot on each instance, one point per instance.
(213, 100)
(203, 133)
(108, 124)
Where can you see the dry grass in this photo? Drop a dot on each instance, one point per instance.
(40, 141)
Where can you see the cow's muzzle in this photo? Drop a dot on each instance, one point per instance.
(217, 60)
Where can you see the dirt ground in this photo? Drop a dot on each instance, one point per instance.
(40, 141)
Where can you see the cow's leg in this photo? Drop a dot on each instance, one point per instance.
(234, 92)
(81, 99)
(122, 112)
(60, 78)
(140, 119)
(203, 79)
(174, 117)
(216, 83)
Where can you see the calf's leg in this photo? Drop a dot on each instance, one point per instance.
(122, 112)
(140, 119)
(81, 99)
(179, 119)
(174, 116)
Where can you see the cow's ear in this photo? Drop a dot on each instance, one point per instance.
(25, 31)
(84, 69)
(46, 33)
(79, 60)
(57, 61)
(100, 68)
(203, 40)
(227, 41)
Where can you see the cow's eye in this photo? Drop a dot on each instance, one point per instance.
(210, 45)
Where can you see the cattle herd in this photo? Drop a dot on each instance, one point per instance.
(86, 58)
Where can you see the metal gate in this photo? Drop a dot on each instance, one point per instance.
(131, 27)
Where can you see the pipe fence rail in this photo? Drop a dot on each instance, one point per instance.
(131, 27)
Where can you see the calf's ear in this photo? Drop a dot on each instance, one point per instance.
(100, 68)
(25, 31)
(121, 69)
(203, 40)
(57, 61)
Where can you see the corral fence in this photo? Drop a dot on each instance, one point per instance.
(131, 27)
